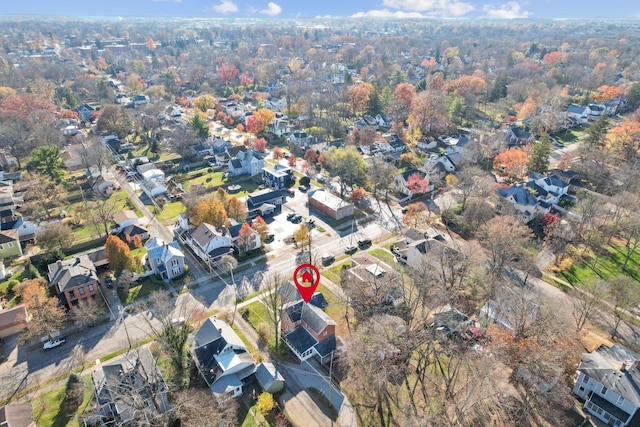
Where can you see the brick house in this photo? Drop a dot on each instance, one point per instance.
(75, 280)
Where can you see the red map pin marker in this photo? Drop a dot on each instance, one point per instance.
(306, 277)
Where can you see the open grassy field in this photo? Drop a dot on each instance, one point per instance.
(49, 408)
(607, 266)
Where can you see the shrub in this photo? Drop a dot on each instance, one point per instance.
(266, 403)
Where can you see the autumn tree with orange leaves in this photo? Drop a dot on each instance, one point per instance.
(511, 163)
(358, 96)
(624, 139)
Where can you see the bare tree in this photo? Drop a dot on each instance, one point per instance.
(586, 300)
(504, 237)
(88, 313)
(172, 321)
(273, 301)
(472, 182)
(624, 295)
(197, 407)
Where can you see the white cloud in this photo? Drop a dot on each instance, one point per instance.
(445, 8)
(386, 13)
(227, 6)
(511, 10)
(272, 9)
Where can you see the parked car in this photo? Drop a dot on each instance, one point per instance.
(296, 219)
(328, 259)
(350, 249)
(269, 238)
(290, 215)
(291, 191)
(109, 282)
(53, 343)
(303, 188)
(363, 243)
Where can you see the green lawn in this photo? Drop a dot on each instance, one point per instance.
(170, 211)
(569, 136)
(140, 291)
(209, 179)
(48, 408)
(333, 273)
(383, 255)
(607, 267)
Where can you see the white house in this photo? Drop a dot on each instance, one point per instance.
(208, 243)
(221, 357)
(166, 260)
(251, 243)
(607, 380)
(124, 219)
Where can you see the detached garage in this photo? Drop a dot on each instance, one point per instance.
(332, 206)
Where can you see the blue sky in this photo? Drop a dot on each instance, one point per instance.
(323, 8)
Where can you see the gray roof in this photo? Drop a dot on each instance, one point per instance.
(301, 339)
(520, 195)
(267, 374)
(72, 273)
(604, 365)
(315, 318)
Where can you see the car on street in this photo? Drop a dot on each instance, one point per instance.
(350, 249)
(364, 243)
(328, 259)
(53, 343)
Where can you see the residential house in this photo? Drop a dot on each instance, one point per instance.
(330, 205)
(140, 99)
(17, 415)
(27, 231)
(166, 260)
(85, 111)
(265, 203)
(152, 180)
(595, 110)
(252, 242)
(231, 152)
(269, 377)
(522, 201)
(308, 331)
(412, 252)
(124, 219)
(518, 136)
(277, 176)
(248, 162)
(451, 320)
(390, 143)
(384, 120)
(221, 357)
(207, 242)
(577, 114)
(364, 122)
(128, 234)
(9, 243)
(607, 381)
(128, 387)
(75, 280)
(301, 139)
(275, 104)
(401, 181)
(12, 320)
(378, 284)
(280, 128)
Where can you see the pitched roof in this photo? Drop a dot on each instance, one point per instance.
(604, 365)
(122, 216)
(520, 195)
(254, 201)
(7, 236)
(406, 174)
(132, 230)
(10, 317)
(72, 273)
(204, 233)
(156, 248)
(315, 318)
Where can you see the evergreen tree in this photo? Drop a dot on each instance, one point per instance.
(539, 158)
(597, 131)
